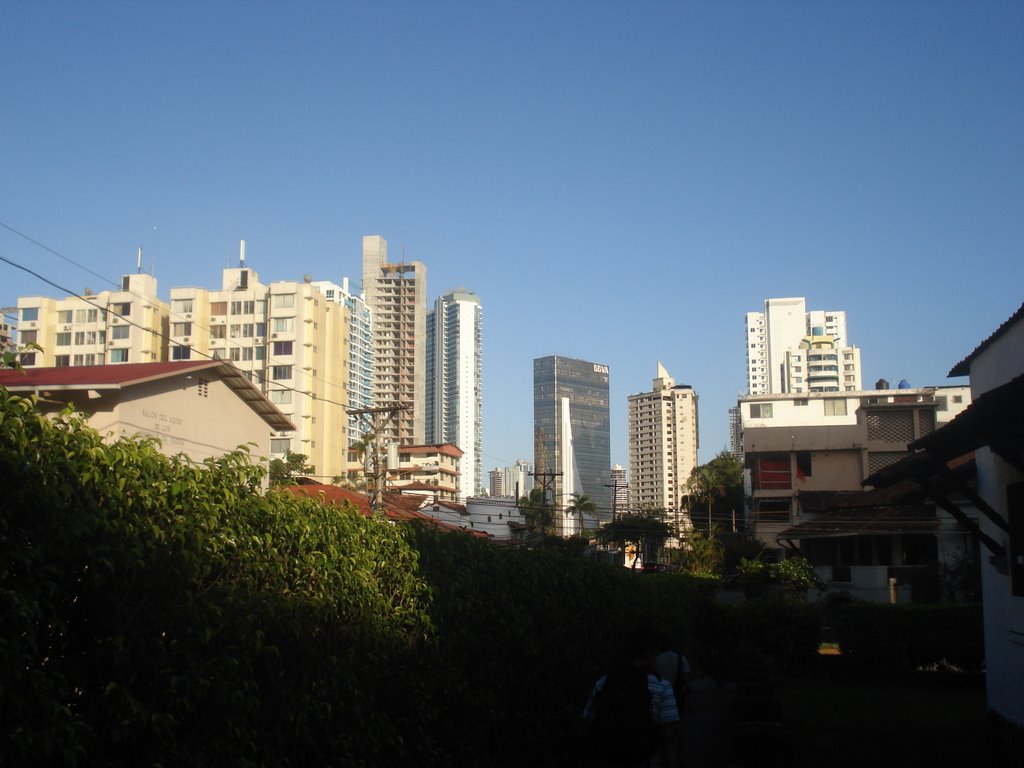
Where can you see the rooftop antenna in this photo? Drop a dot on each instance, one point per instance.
(138, 262)
(241, 253)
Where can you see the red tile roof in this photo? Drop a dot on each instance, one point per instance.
(396, 506)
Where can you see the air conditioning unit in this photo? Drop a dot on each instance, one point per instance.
(273, 335)
(188, 315)
(258, 340)
(67, 327)
(186, 339)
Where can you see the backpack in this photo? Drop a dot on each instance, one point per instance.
(623, 730)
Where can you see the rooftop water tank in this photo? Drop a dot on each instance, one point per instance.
(904, 384)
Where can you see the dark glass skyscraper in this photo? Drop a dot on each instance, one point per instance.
(571, 432)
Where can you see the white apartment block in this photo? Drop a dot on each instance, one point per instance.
(290, 341)
(454, 382)
(515, 481)
(830, 441)
(786, 328)
(129, 325)
(360, 350)
(820, 364)
(396, 296)
(663, 443)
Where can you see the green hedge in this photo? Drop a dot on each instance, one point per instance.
(155, 612)
(908, 637)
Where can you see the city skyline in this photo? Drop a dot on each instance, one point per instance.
(867, 157)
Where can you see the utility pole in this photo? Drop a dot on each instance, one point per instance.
(376, 419)
(615, 497)
(547, 481)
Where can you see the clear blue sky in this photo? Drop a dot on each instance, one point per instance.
(619, 182)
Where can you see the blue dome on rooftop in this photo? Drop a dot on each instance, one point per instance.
(904, 384)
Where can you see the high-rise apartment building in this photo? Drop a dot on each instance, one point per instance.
(735, 433)
(396, 296)
(786, 350)
(619, 490)
(663, 443)
(515, 481)
(360, 351)
(129, 325)
(290, 341)
(453, 401)
(571, 434)
(497, 477)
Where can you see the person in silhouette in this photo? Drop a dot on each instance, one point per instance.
(632, 713)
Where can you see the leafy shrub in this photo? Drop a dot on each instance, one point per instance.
(906, 637)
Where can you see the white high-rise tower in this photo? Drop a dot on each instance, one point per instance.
(792, 350)
(453, 382)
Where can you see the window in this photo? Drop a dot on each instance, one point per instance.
(280, 444)
(248, 307)
(218, 308)
(180, 352)
(124, 308)
(760, 410)
(246, 353)
(62, 361)
(246, 330)
(260, 353)
(90, 359)
(64, 339)
(800, 401)
(261, 307)
(958, 398)
(803, 464)
(236, 354)
(27, 337)
(28, 358)
(29, 314)
(283, 348)
(181, 305)
(219, 354)
(78, 360)
(771, 472)
(119, 332)
(261, 329)
(281, 396)
(181, 329)
(284, 324)
(79, 338)
(64, 316)
(281, 372)
(119, 355)
(835, 407)
(236, 307)
(218, 331)
(283, 301)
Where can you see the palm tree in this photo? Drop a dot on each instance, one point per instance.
(581, 505)
(361, 450)
(706, 485)
(537, 512)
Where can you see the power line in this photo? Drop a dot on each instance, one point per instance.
(162, 336)
(270, 361)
